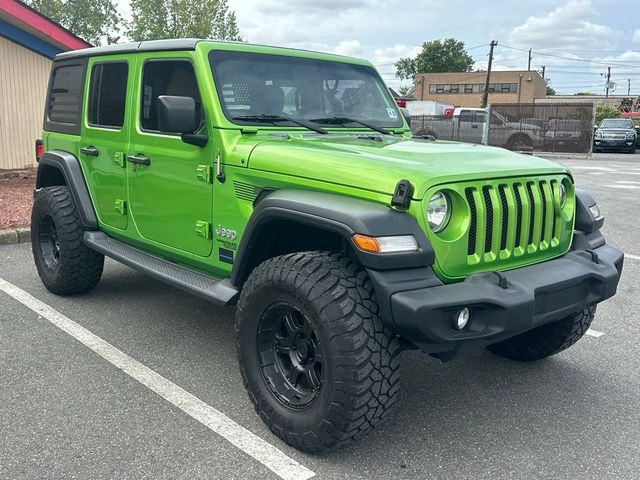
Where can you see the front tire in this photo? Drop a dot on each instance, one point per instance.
(316, 360)
(547, 339)
(64, 263)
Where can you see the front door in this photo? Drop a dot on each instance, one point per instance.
(105, 135)
(171, 197)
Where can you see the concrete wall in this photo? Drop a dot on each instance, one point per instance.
(530, 85)
(23, 84)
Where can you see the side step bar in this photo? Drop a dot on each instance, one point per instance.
(216, 290)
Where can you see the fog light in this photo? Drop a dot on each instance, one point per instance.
(463, 318)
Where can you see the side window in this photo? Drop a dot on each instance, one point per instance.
(107, 94)
(64, 104)
(166, 77)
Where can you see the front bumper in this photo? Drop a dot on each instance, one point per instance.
(507, 304)
(614, 144)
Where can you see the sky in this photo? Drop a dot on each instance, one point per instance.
(575, 39)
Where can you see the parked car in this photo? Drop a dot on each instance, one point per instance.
(615, 134)
(286, 182)
(571, 135)
(467, 125)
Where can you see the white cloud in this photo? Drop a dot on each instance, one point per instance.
(390, 55)
(636, 36)
(348, 47)
(569, 26)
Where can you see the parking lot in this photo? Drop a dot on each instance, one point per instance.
(152, 390)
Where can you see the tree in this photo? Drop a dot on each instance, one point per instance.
(446, 55)
(584, 94)
(158, 19)
(405, 90)
(96, 21)
(550, 91)
(605, 111)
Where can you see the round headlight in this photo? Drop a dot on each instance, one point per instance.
(438, 211)
(563, 195)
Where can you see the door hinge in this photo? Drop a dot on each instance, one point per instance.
(203, 229)
(121, 206)
(118, 158)
(204, 173)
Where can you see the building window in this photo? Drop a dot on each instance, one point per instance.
(455, 88)
(468, 88)
(108, 94)
(432, 88)
(439, 88)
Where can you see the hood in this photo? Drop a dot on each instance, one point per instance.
(615, 130)
(378, 163)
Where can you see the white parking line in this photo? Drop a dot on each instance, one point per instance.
(594, 333)
(632, 257)
(272, 458)
(625, 187)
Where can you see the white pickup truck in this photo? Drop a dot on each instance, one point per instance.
(467, 125)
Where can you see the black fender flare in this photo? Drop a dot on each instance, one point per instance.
(69, 167)
(344, 216)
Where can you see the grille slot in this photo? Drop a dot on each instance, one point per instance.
(516, 190)
(505, 216)
(473, 223)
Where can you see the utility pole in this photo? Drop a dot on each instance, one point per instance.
(608, 81)
(485, 94)
(543, 69)
(628, 86)
(529, 63)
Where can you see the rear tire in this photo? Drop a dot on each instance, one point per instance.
(546, 340)
(519, 142)
(316, 360)
(64, 263)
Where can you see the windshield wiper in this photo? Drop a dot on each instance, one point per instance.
(343, 120)
(275, 119)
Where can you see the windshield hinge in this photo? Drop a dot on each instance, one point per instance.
(402, 194)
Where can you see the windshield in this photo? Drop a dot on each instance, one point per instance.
(251, 84)
(616, 123)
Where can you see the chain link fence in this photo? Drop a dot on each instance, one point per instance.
(532, 127)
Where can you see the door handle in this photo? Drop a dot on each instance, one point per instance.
(138, 159)
(91, 151)
(474, 126)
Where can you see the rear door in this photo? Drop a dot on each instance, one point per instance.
(171, 197)
(105, 137)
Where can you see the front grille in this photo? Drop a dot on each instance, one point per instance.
(512, 219)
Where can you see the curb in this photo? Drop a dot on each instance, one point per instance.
(15, 235)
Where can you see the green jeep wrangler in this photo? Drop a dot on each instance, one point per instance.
(287, 182)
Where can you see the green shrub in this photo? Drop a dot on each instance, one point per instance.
(606, 111)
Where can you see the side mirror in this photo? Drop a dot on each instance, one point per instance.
(179, 115)
(406, 115)
(176, 114)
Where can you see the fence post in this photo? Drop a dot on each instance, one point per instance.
(593, 131)
(485, 127)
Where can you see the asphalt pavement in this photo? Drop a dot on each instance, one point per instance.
(67, 412)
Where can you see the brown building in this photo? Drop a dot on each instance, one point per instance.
(465, 89)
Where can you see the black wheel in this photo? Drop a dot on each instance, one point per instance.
(546, 340)
(519, 142)
(64, 263)
(317, 362)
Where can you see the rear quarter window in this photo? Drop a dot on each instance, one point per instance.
(63, 109)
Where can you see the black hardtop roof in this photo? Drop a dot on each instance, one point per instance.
(134, 47)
